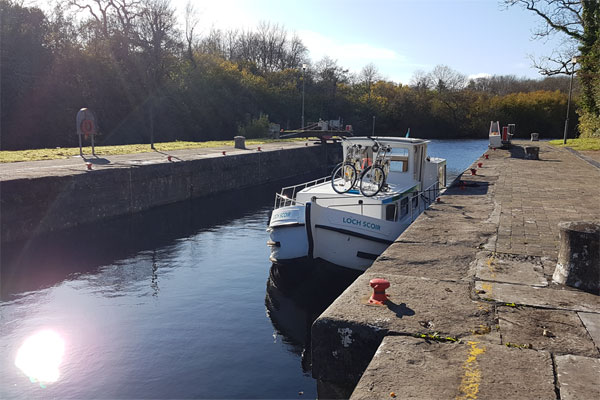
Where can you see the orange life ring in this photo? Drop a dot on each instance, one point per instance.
(87, 126)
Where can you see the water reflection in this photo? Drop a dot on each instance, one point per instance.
(40, 356)
(296, 295)
(49, 259)
(167, 304)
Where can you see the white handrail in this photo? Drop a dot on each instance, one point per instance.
(287, 196)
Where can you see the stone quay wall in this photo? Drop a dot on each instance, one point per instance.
(41, 197)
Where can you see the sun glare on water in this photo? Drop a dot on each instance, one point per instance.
(40, 355)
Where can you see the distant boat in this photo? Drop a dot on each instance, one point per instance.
(501, 141)
(350, 218)
(494, 135)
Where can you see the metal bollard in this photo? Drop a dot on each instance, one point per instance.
(379, 285)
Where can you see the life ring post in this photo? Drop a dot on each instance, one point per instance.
(86, 125)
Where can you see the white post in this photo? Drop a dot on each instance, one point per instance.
(574, 61)
(303, 69)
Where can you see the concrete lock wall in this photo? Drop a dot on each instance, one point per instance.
(34, 206)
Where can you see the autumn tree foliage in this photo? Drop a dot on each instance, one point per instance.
(148, 77)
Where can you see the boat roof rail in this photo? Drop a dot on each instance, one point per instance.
(391, 140)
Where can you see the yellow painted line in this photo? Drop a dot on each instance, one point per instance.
(487, 287)
(469, 386)
(490, 265)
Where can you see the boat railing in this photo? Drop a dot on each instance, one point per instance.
(424, 199)
(418, 201)
(287, 196)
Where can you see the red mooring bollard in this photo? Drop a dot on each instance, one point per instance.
(479, 165)
(224, 153)
(258, 149)
(379, 285)
(89, 166)
(473, 171)
(486, 156)
(169, 158)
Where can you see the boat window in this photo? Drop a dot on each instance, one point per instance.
(403, 207)
(391, 212)
(415, 199)
(399, 160)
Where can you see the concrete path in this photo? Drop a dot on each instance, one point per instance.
(472, 311)
(77, 165)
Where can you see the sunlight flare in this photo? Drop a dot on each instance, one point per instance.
(40, 356)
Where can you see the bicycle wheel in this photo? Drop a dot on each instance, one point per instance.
(343, 178)
(372, 181)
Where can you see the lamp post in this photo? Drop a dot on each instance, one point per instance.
(303, 69)
(573, 61)
(373, 131)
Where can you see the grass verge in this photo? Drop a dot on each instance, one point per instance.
(67, 152)
(581, 144)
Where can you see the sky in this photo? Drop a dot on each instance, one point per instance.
(474, 37)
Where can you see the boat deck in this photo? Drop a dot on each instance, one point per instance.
(326, 190)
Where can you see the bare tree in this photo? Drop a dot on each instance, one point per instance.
(268, 49)
(328, 70)
(99, 10)
(110, 14)
(421, 80)
(445, 78)
(191, 21)
(157, 38)
(369, 75)
(559, 17)
(296, 53)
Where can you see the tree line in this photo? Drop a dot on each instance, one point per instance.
(146, 76)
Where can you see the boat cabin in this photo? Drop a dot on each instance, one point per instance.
(405, 163)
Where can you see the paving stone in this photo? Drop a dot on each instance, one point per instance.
(437, 261)
(559, 332)
(550, 297)
(417, 369)
(346, 335)
(415, 305)
(578, 377)
(592, 324)
(492, 268)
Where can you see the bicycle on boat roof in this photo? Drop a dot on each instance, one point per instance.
(372, 176)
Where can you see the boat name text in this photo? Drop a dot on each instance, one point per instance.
(285, 215)
(364, 224)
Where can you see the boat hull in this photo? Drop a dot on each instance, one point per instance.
(313, 232)
(349, 240)
(287, 235)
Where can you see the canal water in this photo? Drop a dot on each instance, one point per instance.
(171, 303)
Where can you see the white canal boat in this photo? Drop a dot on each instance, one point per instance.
(350, 218)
